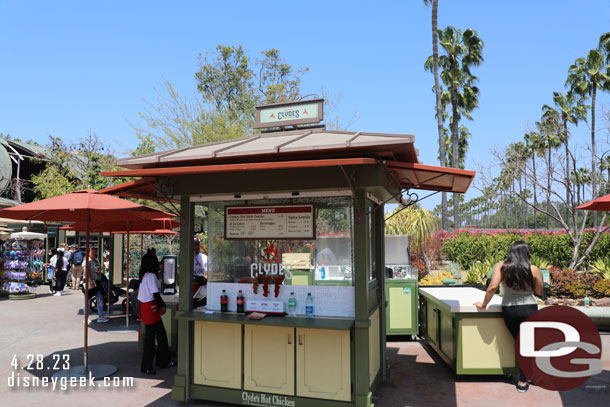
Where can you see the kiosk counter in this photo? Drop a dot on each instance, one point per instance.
(471, 341)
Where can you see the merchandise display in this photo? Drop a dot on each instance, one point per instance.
(21, 265)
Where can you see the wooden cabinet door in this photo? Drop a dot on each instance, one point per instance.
(400, 308)
(446, 335)
(269, 359)
(217, 354)
(323, 364)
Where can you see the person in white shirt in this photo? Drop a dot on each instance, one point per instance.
(152, 307)
(200, 267)
(60, 264)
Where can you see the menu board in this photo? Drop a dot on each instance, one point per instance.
(270, 222)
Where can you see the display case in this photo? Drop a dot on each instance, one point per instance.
(22, 264)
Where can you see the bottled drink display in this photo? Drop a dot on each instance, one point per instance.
(224, 301)
(292, 305)
(309, 306)
(240, 302)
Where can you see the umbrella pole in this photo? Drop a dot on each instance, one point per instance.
(86, 324)
(103, 272)
(128, 266)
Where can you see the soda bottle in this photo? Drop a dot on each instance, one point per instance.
(587, 300)
(240, 302)
(309, 306)
(323, 272)
(224, 301)
(292, 305)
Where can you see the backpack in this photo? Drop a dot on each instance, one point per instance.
(77, 258)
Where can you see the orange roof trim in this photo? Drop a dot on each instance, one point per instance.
(429, 177)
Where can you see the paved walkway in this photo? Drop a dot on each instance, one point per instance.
(51, 326)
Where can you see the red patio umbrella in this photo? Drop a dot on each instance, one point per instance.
(142, 226)
(600, 204)
(85, 206)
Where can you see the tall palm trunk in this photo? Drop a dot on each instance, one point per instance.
(548, 184)
(522, 206)
(439, 108)
(593, 158)
(535, 179)
(455, 151)
(569, 204)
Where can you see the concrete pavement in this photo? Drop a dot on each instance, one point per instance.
(52, 327)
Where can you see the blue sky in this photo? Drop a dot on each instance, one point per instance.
(73, 67)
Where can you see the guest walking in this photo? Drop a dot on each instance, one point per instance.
(95, 286)
(60, 264)
(76, 259)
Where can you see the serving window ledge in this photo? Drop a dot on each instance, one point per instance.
(298, 322)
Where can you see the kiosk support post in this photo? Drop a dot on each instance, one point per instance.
(380, 275)
(361, 282)
(182, 379)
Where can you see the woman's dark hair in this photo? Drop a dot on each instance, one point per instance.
(149, 264)
(516, 269)
(59, 265)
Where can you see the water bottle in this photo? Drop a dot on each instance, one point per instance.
(240, 302)
(323, 272)
(309, 306)
(292, 305)
(587, 301)
(224, 301)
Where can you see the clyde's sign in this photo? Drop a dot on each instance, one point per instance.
(289, 114)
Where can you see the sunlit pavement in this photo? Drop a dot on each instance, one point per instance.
(50, 326)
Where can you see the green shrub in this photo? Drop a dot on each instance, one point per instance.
(547, 249)
(601, 288)
(576, 289)
(437, 279)
(540, 262)
(561, 280)
(476, 274)
(601, 266)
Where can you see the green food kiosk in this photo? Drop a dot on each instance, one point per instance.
(296, 188)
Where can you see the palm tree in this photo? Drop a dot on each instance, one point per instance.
(464, 135)
(516, 157)
(439, 108)
(462, 51)
(549, 130)
(573, 110)
(581, 177)
(585, 77)
(534, 145)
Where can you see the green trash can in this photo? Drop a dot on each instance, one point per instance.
(546, 281)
